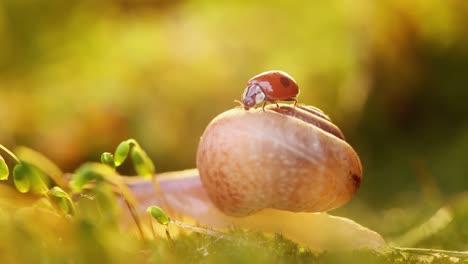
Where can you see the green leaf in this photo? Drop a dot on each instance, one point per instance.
(158, 214)
(108, 159)
(141, 162)
(4, 172)
(121, 153)
(20, 178)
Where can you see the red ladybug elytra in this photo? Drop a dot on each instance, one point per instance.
(270, 86)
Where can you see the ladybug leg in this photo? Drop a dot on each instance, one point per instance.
(277, 105)
(291, 99)
(263, 106)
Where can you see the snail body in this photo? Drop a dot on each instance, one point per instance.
(271, 170)
(187, 200)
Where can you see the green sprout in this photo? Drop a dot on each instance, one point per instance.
(31, 174)
(87, 173)
(63, 199)
(4, 171)
(108, 159)
(90, 174)
(160, 216)
(39, 161)
(26, 177)
(141, 162)
(20, 178)
(121, 152)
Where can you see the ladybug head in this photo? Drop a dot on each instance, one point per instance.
(252, 95)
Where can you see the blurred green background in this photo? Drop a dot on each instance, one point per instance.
(78, 77)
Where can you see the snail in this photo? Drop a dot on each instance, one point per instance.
(273, 170)
(287, 158)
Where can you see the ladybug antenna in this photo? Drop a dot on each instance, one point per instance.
(239, 102)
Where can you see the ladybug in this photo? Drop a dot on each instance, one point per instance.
(270, 86)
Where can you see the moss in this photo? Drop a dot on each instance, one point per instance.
(35, 230)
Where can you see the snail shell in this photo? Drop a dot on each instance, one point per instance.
(287, 158)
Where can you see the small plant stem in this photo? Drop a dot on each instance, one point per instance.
(160, 195)
(151, 226)
(168, 235)
(128, 198)
(10, 153)
(135, 217)
(202, 230)
(69, 203)
(157, 189)
(428, 251)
